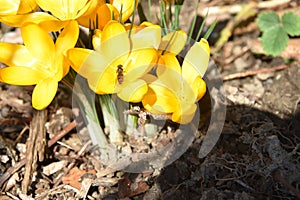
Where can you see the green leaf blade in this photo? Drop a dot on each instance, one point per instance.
(267, 20)
(291, 23)
(274, 40)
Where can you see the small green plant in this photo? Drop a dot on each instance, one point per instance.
(276, 31)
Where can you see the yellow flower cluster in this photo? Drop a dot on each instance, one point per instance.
(137, 63)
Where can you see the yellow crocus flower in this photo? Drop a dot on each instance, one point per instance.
(115, 66)
(177, 89)
(39, 61)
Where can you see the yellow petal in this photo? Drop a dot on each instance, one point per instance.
(112, 29)
(168, 61)
(149, 78)
(100, 72)
(43, 93)
(139, 63)
(102, 14)
(184, 116)
(146, 24)
(173, 42)
(77, 56)
(134, 91)
(199, 87)
(196, 61)
(67, 38)
(147, 37)
(93, 6)
(20, 75)
(9, 7)
(97, 40)
(38, 42)
(127, 7)
(53, 25)
(160, 98)
(65, 68)
(169, 77)
(65, 10)
(27, 6)
(103, 81)
(114, 40)
(47, 22)
(15, 55)
(105, 13)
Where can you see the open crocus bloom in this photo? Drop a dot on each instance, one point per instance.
(39, 62)
(176, 89)
(117, 66)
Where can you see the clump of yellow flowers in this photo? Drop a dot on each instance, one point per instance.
(138, 63)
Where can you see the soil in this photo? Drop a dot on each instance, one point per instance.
(256, 157)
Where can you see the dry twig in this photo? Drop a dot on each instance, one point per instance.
(253, 72)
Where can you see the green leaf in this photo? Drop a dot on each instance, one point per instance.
(291, 23)
(267, 20)
(274, 40)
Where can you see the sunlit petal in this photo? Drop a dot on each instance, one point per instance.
(105, 13)
(173, 42)
(20, 75)
(43, 93)
(160, 98)
(93, 6)
(147, 37)
(102, 14)
(9, 7)
(114, 40)
(80, 7)
(184, 116)
(134, 91)
(27, 6)
(59, 67)
(149, 78)
(38, 42)
(53, 25)
(67, 38)
(196, 60)
(47, 22)
(100, 72)
(103, 80)
(64, 10)
(139, 63)
(77, 56)
(97, 40)
(199, 87)
(168, 61)
(169, 77)
(15, 55)
(127, 7)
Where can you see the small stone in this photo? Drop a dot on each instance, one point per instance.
(265, 76)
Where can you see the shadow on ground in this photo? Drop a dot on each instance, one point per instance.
(256, 157)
